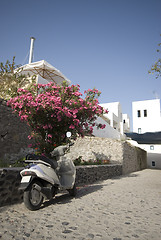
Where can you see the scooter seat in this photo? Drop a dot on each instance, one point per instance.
(53, 163)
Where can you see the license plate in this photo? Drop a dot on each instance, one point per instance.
(25, 179)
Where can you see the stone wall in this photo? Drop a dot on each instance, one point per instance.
(10, 180)
(13, 134)
(134, 158)
(92, 148)
(90, 174)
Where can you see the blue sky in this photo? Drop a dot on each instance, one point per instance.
(106, 44)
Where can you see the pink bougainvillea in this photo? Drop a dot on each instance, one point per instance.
(52, 110)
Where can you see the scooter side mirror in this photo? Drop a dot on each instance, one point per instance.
(68, 134)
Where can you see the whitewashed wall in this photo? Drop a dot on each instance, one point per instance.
(153, 153)
(116, 118)
(107, 132)
(152, 122)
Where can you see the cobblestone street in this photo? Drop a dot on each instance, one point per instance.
(126, 207)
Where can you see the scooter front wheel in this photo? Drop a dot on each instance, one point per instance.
(33, 197)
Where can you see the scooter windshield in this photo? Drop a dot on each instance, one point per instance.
(66, 171)
(66, 166)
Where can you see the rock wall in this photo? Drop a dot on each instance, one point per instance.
(10, 180)
(13, 134)
(92, 148)
(134, 158)
(91, 174)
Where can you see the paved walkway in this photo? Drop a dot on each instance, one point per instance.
(127, 207)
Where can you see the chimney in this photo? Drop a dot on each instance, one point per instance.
(31, 49)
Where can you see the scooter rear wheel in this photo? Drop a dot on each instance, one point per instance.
(33, 197)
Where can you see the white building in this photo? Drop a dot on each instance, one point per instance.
(147, 118)
(116, 122)
(153, 155)
(116, 118)
(107, 132)
(126, 123)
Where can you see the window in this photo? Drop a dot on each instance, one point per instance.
(139, 113)
(151, 147)
(124, 121)
(145, 113)
(139, 130)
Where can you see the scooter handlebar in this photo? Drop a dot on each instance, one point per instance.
(31, 156)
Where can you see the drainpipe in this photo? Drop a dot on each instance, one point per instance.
(31, 49)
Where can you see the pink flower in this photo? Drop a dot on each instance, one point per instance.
(72, 126)
(103, 126)
(24, 117)
(75, 111)
(29, 137)
(68, 114)
(59, 118)
(76, 121)
(50, 126)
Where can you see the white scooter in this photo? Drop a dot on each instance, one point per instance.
(44, 177)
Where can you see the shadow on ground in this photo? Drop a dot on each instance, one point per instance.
(64, 197)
